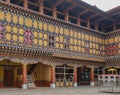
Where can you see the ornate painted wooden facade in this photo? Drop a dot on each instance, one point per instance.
(29, 37)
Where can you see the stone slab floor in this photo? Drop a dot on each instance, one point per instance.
(82, 90)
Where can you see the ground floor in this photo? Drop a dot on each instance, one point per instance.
(81, 90)
(17, 74)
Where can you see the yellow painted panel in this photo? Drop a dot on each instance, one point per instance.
(40, 25)
(57, 45)
(21, 31)
(93, 39)
(8, 28)
(75, 48)
(51, 28)
(82, 36)
(40, 42)
(45, 43)
(66, 32)
(57, 38)
(35, 41)
(8, 17)
(79, 42)
(97, 46)
(75, 34)
(90, 45)
(82, 49)
(45, 36)
(15, 29)
(15, 18)
(21, 39)
(71, 33)
(2, 16)
(93, 45)
(8, 37)
(61, 38)
(79, 35)
(71, 41)
(75, 41)
(21, 20)
(96, 39)
(40, 35)
(116, 39)
(91, 51)
(35, 24)
(56, 29)
(28, 22)
(87, 37)
(45, 26)
(82, 43)
(61, 46)
(1, 73)
(90, 37)
(35, 34)
(61, 30)
(15, 37)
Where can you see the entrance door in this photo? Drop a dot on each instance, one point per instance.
(8, 78)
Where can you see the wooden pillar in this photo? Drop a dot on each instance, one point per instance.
(41, 9)
(66, 16)
(52, 77)
(75, 76)
(78, 21)
(92, 77)
(8, 1)
(26, 4)
(24, 78)
(88, 23)
(103, 71)
(54, 12)
(96, 26)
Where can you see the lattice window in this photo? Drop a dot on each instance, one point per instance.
(2, 31)
(87, 45)
(51, 40)
(66, 42)
(28, 36)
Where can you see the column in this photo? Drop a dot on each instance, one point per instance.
(26, 4)
(75, 76)
(103, 71)
(24, 76)
(78, 21)
(96, 26)
(41, 10)
(92, 83)
(88, 23)
(54, 12)
(66, 16)
(8, 1)
(52, 85)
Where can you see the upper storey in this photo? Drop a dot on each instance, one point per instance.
(74, 11)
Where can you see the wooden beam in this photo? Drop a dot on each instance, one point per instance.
(83, 12)
(69, 8)
(93, 16)
(57, 3)
(66, 16)
(78, 21)
(34, 4)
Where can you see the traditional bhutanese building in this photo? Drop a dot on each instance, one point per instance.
(56, 43)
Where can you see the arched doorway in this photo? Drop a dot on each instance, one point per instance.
(64, 75)
(83, 75)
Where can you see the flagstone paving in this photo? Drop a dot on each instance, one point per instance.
(82, 90)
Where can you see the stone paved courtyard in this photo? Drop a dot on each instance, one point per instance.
(82, 90)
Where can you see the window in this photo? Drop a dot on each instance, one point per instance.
(66, 42)
(51, 40)
(87, 47)
(28, 36)
(2, 31)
